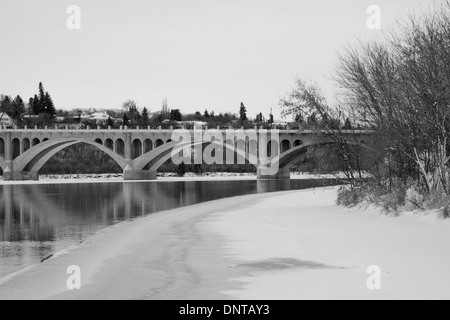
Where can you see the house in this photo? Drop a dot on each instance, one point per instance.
(31, 116)
(99, 117)
(5, 120)
(82, 117)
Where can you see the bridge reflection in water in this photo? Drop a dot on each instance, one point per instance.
(38, 220)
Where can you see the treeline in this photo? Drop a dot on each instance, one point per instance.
(40, 106)
(398, 87)
(40, 111)
(133, 116)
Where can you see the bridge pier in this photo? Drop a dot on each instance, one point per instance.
(263, 173)
(9, 175)
(133, 174)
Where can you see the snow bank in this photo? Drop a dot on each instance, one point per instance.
(299, 245)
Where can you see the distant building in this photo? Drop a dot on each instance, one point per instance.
(99, 117)
(82, 116)
(31, 116)
(5, 120)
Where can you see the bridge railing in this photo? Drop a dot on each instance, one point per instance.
(68, 128)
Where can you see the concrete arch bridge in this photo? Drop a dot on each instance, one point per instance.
(23, 152)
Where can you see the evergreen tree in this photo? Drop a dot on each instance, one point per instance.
(110, 122)
(42, 103)
(17, 109)
(259, 118)
(35, 105)
(271, 121)
(6, 105)
(145, 117)
(165, 109)
(41, 92)
(175, 115)
(206, 114)
(126, 120)
(48, 106)
(30, 106)
(242, 112)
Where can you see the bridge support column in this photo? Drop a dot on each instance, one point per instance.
(8, 172)
(19, 175)
(131, 174)
(265, 174)
(10, 175)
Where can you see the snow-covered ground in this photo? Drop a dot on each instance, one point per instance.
(286, 245)
(299, 245)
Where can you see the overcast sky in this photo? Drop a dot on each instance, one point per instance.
(200, 54)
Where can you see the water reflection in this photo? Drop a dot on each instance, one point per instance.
(38, 220)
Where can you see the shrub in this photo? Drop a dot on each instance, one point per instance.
(436, 200)
(414, 199)
(391, 200)
(349, 197)
(181, 170)
(445, 213)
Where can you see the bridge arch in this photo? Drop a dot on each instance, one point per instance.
(286, 160)
(15, 148)
(241, 145)
(120, 147)
(35, 158)
(285, 146)
(2, 147)
(109, 143)
(157, 157)
(136, 148)
(25, 145)
(272, 149)
(148, 145)
(158, 143)
(35, 141)
(298, 143)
